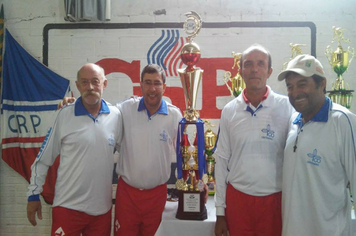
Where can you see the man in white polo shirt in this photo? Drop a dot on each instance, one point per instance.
(249, 154)
(85, 134)
(319, 157)
(150, 127)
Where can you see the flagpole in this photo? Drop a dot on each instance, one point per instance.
(2, 26)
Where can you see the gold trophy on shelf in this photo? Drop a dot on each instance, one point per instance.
(340, 61)
(191, 163)
(237, 83)
(210, 141)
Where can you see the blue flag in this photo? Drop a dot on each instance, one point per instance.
(30, 94)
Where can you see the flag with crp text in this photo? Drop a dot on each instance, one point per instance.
(30, 94)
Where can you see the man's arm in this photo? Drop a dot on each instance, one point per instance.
(348, 130)
(220, 196)
(222, 153)
(38, 176)
(45, 158)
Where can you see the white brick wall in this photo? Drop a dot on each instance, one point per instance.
(69, 49)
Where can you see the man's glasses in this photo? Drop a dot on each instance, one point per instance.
(148, 83)
(94, 82)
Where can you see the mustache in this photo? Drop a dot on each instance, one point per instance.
(87, 93)
(253, 77)
(303, 95)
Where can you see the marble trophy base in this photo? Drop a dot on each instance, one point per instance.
(191, 205)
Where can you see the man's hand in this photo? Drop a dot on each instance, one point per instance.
(34, 207)
(65, 101)
(206, 193)
(221, 226)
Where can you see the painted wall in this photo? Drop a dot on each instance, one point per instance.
(125, 45)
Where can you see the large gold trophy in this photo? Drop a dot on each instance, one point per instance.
(191, 164)
(340, 61)
(237, 83)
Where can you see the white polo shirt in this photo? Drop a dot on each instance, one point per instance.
(86, 146)
(148, 143)
(315, 199)
(249, 152)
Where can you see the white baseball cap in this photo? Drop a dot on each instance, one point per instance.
(305, 65)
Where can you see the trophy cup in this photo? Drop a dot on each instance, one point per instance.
(210, 140)
(191, 162)
(237, 83)
(340, 61)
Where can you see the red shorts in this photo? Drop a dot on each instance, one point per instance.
(251, 215)
(75, 223)
(138, 212)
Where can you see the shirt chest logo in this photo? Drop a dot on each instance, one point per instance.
(268, 133)
(164, 136)
(314, 158)
(111, 141)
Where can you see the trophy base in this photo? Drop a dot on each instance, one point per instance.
(211, 188)
(191, 205)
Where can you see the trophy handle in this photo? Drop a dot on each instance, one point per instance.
(227, 78)
(328, 54)
(352, 52)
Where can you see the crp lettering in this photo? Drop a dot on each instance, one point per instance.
(18, 123)
(35, 121)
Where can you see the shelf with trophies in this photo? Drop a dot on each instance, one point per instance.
(340, 61)
(191, 163)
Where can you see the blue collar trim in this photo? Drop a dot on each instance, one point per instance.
(321, 116)
(249, 109)
(79, 109)
(161, 110)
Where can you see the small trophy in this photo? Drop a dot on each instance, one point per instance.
(340, 61)
(191, 163)
(296, 50)
(210, 140)
(237, 83)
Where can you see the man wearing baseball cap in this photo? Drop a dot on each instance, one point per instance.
(319, 157)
